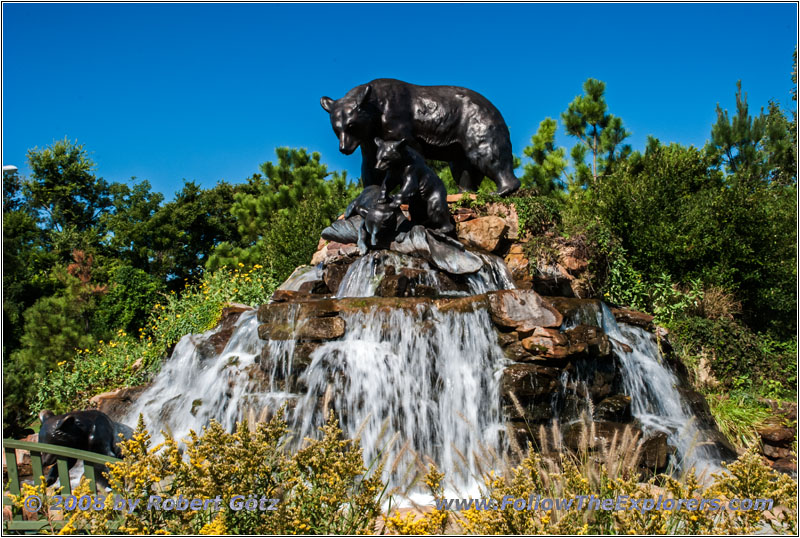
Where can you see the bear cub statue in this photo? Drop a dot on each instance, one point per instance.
(85, 430)
(420, 187)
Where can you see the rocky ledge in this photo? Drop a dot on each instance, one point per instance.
(561, 364)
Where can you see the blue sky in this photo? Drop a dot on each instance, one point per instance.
(206, 92)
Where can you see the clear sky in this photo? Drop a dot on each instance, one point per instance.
(207, 91)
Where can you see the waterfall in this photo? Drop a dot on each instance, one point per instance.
(364, 274)
(655, 400)
(432, 377)
(409, 382)
(196, 384)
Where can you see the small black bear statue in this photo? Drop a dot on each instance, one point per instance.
(420, 187)
(85, 430)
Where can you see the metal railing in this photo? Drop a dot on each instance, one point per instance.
(62, 454)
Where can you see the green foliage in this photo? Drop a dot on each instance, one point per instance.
(280, 223)
(192, 225)
(674, 214)
(53, 330)
(135, 237)
(739, 358)
(442, 169)
(549, 163)
(130, 298)
(88, 367)
(535, 214)
(323, 488)
(738, 417)
(132, 246)
(63, 189)
(599, 132)
(780, 144)
(752, 148)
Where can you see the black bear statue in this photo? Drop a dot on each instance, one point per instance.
(85, 430)
(445, 123)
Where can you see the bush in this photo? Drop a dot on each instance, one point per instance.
(323, 488)
(130, 298)
(739, 358)
(128, 360)
(674, 214)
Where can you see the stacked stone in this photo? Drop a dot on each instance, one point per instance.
(778, 439)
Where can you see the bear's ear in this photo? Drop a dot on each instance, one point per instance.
(44, 414)
(327, 103)
(363, 94)
(66, 422)
(378, 141)
(403, 143)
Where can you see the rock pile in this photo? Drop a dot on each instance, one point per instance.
(561, 365)
(777, 437)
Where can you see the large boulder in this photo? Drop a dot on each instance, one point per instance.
(507, 212)
(522, 308)
(777, 436)
(530, 381)
(482, 233)
(519, 266)
(615, 408)
(225, 328)
(332, 252)
(115, 403)
(655, 452)
(312, 328)
(633, 317)
(333, 273)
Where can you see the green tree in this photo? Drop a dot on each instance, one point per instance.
(63, 188)
(273, 211)
(185, 231)
(54, 327)
(599, 132)
(737, 143)
(131, 295)
(549, 163)
(677, 215)
(133, 234)
(780, 144)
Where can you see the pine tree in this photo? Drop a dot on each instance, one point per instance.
(599, 132)
(297, 196)
(549, 162)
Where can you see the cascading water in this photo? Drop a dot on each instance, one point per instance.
(655, 400)
(364, 274)
(494, 275)
(196, 384)
(432, 377)
(428, 377)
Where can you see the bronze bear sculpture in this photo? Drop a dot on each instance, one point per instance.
(446, 123)
(420, 187)
(85, 430)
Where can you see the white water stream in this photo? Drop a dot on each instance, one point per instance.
(655, 400)
(429, 379)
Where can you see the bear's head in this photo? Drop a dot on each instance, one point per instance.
(380, 221)
(390, 153)
(350, 117)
